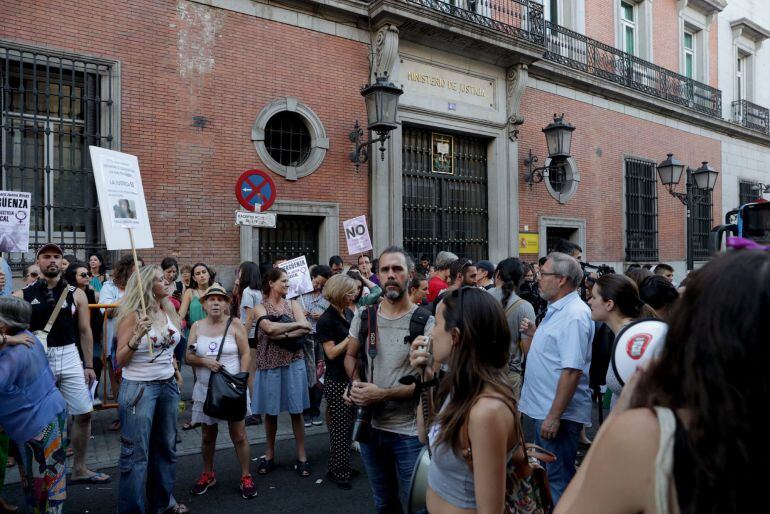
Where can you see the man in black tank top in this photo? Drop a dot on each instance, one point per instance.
(71, 325)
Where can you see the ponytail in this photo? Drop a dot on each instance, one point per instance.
(509, 271)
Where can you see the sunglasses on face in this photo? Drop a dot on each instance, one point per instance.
(84, 275)
(33, 274)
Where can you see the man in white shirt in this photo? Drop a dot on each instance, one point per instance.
(556, 393)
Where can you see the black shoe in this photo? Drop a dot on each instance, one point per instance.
(253, 420)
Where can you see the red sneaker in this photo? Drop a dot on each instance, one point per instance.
(248, 489)
(204, 482)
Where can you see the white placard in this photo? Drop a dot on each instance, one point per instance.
(357, 235)
(121, 198)
(14, 221)
(299, 276)
(255, 219)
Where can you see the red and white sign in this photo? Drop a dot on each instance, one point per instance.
(255, 190)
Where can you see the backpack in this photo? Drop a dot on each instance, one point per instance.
(601, 354)
(416, 328)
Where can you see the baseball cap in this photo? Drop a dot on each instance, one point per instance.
(49, 247)
(486, 266)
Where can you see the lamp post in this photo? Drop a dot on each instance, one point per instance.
(702, 179)
(382, 112)
(558, 138)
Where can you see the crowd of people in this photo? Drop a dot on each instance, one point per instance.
(446, 355)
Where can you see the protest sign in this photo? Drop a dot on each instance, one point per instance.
(299, 276)
(357, 235)
(121, 199)
(14, 221)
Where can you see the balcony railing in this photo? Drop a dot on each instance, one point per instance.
(753, 116)
(601, 60)
(522, 19)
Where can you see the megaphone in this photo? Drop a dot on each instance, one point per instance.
(637, 343)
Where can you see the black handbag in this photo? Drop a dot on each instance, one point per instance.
(290, 344)
(226, 396)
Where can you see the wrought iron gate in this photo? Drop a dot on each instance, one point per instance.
(52, 107)
(445, 210)
(293, 236)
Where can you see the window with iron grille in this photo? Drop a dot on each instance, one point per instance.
(701, 221)
(293, 236)
(52, 107)
(747, 191)
(641, 211)
(445, 211)
(287, 138)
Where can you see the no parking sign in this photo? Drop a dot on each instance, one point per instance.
(255, 190)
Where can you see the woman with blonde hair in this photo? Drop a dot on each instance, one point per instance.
(148, 331)
(332, 332)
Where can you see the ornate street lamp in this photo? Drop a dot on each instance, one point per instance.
(699, 187)
(382, 112)
(558, 138)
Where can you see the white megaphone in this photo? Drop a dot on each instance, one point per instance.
(637, 343)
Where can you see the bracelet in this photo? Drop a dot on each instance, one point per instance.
(86, 367)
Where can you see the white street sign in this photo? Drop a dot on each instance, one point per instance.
(255, 219)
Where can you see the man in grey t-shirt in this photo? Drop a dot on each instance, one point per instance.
(394, 423)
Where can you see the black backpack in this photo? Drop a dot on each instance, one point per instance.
(416, 328)
(601, 353)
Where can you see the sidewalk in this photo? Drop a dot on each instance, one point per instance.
(104, 446)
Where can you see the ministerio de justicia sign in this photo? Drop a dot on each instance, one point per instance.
(426, 80)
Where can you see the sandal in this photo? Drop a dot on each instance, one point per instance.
(265, 465)
(114, 426)
(302, 468)
(189, 425)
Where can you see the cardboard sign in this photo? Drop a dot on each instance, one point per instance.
(14, 221)
(357, 235)
(121, 198)
(299, 276)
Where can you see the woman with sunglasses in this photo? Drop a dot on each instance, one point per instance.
(476, 431)
(77, 274)
(31, 274)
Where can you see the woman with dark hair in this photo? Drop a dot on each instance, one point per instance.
(615, 301)
(507, 277)
(32, 409)
(659, 293)
(638, 274)
(370, 292)
(98, 270)
(191, 308)
(476, 431)
(280, 384)
(77, 275)
(249, 282)
(694, 437)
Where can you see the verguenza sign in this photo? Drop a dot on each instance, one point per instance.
(425, 79)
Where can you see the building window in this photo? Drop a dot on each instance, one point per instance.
(742, 67)
(701, 221)
(289, 138)
(628, 27)
(748, 192)
(688, 45)
(563, 181)
(52, 108)
(641, 211)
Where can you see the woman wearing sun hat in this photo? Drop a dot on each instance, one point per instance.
(206, 336)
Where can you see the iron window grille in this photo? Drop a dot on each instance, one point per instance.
(441, 211)
(747, 192)
(641, 211)
(701, 219)
(287, 139)
(52, 107)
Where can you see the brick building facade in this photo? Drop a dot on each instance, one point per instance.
(190, 86)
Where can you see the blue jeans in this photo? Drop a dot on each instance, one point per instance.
(148, 412)
(389, 458)
(564, 446)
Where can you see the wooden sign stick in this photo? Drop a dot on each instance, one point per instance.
(139, 280)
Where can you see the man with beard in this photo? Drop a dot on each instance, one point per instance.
(392, 449)
(72, 324)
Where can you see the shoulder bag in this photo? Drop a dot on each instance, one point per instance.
(526, 482)
(290, 344)
(42, 335)
(226, 395)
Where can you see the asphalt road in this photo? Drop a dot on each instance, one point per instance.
(281, 491)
